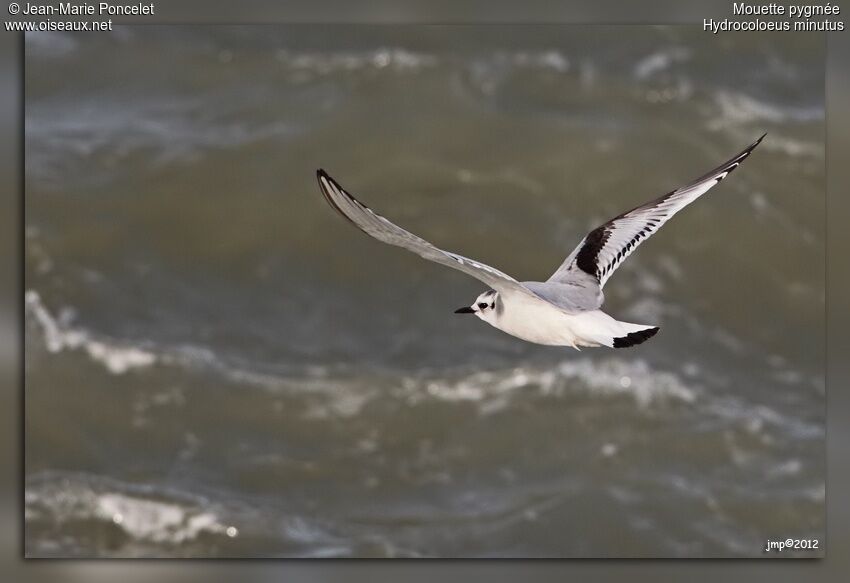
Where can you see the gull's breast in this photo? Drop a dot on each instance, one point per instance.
(535, 321)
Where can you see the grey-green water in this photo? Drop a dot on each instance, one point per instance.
(218, 365)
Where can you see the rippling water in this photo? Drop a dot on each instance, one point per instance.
(217, 365)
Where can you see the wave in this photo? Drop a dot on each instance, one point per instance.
(340, 391)
(614, 375)
(609, 377)
(324, 63)
(171, 129)
(116, 358)
(659, 61)
(736, 112)
(736, 107)
(137, 512)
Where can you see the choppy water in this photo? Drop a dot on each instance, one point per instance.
(217, 365)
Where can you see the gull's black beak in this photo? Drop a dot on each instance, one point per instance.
(465, 310)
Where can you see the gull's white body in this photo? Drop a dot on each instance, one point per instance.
(563, 310)
(538, 321)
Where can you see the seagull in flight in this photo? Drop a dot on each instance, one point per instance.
(565, 309)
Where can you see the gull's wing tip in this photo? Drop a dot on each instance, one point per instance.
(749, 149)
(385, 231)
(326, 181)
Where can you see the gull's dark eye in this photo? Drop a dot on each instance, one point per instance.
(482, 305)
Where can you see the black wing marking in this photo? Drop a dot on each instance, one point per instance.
(605, 248)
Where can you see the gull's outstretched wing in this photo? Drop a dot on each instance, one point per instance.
(383, 230)
(605, 248)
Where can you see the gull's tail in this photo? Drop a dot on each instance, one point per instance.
(596, 328)
(635, 334)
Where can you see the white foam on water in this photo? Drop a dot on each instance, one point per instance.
(612, 376)
(761, 420)
(59, 499)
(339, 402)
(646, 385)
(169, 130)
(554, 60)
(488, 73)
(660, 61)
(59, 337)
(155, 521)
(791, 467)
(330, 62)
(735, 112)
(738, 107)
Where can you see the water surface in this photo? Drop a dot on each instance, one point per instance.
(218, 365)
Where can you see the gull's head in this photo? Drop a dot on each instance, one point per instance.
(484, 306)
